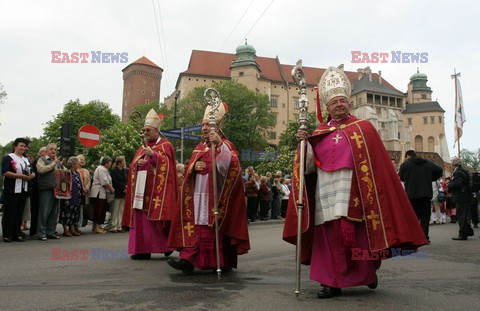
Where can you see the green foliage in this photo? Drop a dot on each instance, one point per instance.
(471, 159)
(248, 118)
(94, 112)
(119, 139)
(3, 94)
(287, 145)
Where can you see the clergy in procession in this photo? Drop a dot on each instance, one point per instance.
(356, 211)
(151, 193)
(193, 230)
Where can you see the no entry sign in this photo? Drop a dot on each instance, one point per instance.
(89, 135)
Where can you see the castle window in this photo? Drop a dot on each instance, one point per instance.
(409, 121)
(440, 119)
(147, 101)
(153, 93)
(296, 103)
(425, 120)
(240, 74)
(274, 102)
(143, 91)
(272, 135)
(424, 96)
(432, 120)
(275, 118)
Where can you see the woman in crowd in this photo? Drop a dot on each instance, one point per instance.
(251, 192)
(119, 182)
(70, 209)
(286, 194)
(86, 183)
(277, 198)
(264, 197)
(15, 187)
(98, 195)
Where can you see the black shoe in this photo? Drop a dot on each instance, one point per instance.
(53, 237)
(20, 239)
(471, 233)
(42, 238)
(375, 284)
(329, 292)
(182, 264)
(459, 238)
(7, 240)
(141, 256)
(166, 254)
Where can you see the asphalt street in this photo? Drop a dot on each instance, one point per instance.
(33, 277)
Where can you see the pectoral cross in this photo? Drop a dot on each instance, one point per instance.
(337, 138)
(373, 218)
(189, 229)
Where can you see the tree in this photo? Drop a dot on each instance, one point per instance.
(248, 119)
(287, 145)
(471, 158)
(119, 139)
(3, 94)
(94, 112)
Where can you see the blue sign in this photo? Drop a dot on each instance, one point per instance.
(188, 129)
(179, 136)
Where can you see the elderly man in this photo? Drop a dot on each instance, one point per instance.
(355, 207)
(192, 228)
(462, 198)
(151, 193)
(48, 205)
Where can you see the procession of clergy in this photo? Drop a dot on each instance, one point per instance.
(353, 198)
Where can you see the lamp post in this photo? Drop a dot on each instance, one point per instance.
(177, 94)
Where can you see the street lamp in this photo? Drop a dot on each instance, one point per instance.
(177, 94)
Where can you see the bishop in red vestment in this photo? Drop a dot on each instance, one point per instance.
(356, 210)
(193, 231)
(151, 193)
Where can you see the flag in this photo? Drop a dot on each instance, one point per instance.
(459, 109)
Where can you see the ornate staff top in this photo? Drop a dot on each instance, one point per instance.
(299, 77)
(212, 99)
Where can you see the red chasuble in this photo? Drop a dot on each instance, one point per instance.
(231, 204)
(377, 197)
(161, 186)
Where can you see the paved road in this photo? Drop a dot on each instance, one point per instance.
(30, 279)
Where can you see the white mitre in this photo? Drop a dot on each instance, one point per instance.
(334, 82)
(153, 119)
(219, 114)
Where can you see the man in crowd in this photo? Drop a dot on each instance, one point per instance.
(418, 174)
(193, 229)
(48, 205)
(151, 193)
(462, 198)
(354, 201)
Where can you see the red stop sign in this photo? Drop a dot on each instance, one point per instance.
(89, 135)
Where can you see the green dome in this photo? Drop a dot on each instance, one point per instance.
(418, 76)
(246, 55)
(245, 48)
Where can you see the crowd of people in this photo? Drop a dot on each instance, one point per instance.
(48, 190)
(351, 198)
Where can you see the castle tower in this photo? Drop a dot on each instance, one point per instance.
(141, 85)
(245, 68)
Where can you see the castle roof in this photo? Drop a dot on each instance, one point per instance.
(143, 61)
(217, 65)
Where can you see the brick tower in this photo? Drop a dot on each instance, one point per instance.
(141, 85)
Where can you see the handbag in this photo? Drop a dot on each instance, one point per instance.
(110, 197)
(441, 197)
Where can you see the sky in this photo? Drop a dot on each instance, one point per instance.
(322, 33)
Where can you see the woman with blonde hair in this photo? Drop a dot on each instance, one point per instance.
(86, 183)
